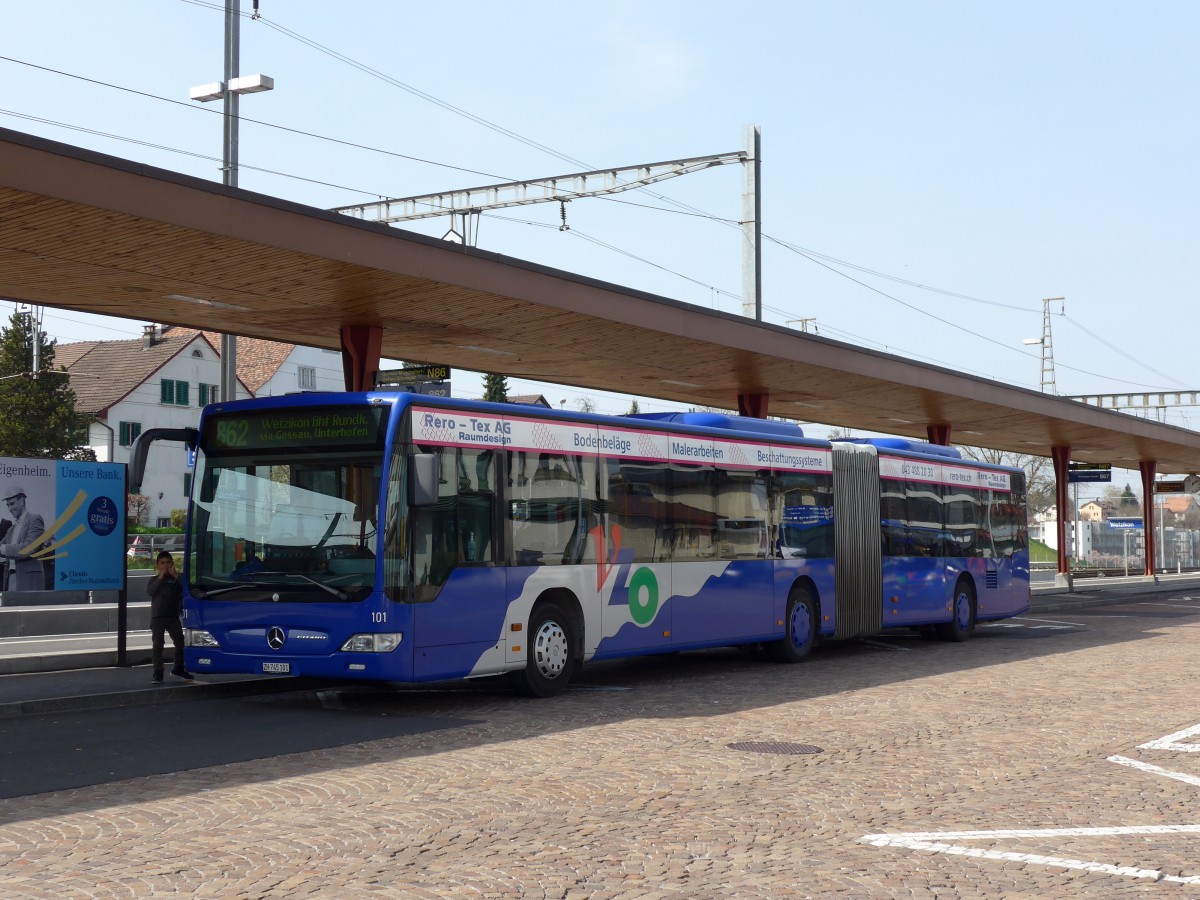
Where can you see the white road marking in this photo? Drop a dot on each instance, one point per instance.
(1003, 833)
(936, 841)
(1172, 741)
(1155, 770)
(915, 842)
(1050, 621)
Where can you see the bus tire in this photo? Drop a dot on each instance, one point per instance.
(552, 654)
(800, 628)
(959, 628)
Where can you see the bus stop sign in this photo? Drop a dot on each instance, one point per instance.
(1089, 472)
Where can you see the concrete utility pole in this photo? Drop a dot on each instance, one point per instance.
(752, 227)
(229, 90)
(229, 173)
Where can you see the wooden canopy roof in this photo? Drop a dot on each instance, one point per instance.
(98, 234)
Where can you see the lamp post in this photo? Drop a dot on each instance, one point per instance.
(229, 89)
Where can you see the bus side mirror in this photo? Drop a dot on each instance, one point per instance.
(425, 475)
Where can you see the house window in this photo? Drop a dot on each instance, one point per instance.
(308, 378)
(174, 393)
(208, 393)
(129, 432)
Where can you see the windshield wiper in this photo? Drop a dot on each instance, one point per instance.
(204, 594)
(341, 595)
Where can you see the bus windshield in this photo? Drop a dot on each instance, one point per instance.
(297, 520)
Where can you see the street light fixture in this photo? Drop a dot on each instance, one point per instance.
(214, 90)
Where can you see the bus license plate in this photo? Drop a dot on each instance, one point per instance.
(278, 667)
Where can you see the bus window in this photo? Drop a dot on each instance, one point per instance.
(552, 507)
(801, 514)
(923, 513)
(962, 522)
(395, 538)
(893, 514)
(637, 504)
(741, 531)
(458, 528)
(694, 510)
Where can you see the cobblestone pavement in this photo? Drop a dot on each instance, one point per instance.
(626, 786)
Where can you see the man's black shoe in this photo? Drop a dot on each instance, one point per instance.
(182, 673)
(157, 677)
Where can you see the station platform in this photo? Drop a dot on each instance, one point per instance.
(86, 676)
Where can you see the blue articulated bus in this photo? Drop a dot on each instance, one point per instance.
(396, 537)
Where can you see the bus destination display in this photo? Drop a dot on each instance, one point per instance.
(318, 426)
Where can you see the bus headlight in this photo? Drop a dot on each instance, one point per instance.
(197, 637)
(373, 643)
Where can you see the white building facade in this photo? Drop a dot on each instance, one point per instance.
(163, 381)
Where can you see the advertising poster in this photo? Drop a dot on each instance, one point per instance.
(62, 525)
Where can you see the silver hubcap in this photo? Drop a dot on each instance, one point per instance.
(550, 649)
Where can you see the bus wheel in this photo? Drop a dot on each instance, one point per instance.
(551, 652)
(801, 629)
(959, 628)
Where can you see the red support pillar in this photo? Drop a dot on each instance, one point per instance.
(753, 405)
(1062, 469)
(938, 434)
(361, 346)
(1149, 469)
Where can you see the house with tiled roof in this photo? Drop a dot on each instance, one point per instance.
(162, 380)
(1097, 511)
(530, 400)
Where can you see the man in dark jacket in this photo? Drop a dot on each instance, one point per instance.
(166, 605)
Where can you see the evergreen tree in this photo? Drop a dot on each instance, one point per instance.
(37, 409)
(633, 409)
(495, 388)
(1129, 505)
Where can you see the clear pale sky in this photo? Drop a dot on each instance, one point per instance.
(997, 153)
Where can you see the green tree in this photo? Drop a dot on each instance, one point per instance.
(633, 409)
(39, 418)
(1129, 504)
(495, 388)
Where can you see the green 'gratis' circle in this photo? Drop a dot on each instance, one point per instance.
(643, 613)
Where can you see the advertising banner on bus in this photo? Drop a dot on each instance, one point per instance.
(515, 432)
(62, 525)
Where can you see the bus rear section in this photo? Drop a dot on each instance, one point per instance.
(926, 539)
